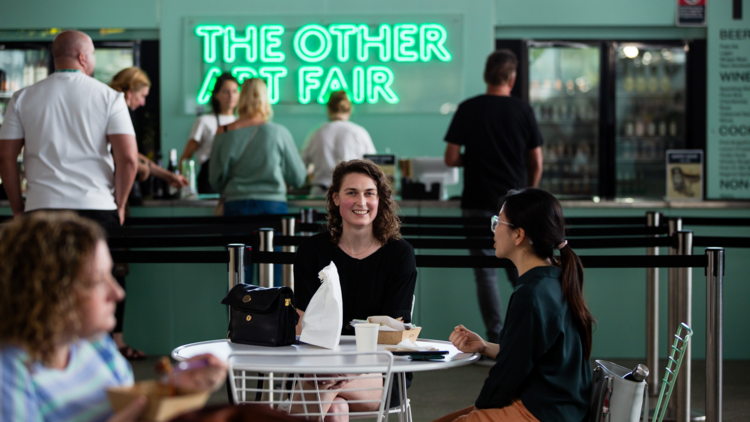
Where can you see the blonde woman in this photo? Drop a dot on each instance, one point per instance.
(252, 160)
(57, 302)
(135, 84)
(336, 141)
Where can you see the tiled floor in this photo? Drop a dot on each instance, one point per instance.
(434, 394)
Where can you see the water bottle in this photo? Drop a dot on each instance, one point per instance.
(638, 374)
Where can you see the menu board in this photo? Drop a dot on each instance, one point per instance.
(728, 137)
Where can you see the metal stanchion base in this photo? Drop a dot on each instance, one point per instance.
(696, 415)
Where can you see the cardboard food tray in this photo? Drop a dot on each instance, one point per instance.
(159, 407)
(396, 337)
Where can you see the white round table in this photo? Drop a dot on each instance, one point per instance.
(223, 348)
(401, 364)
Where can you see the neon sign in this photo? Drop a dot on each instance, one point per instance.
(258, 51)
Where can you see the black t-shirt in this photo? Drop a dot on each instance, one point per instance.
(380, 284)
(497, 132)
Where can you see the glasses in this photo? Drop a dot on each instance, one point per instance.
(495, 221)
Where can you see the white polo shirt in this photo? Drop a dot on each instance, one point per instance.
(64, 121)
(333, 142)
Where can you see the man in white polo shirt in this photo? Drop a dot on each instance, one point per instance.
(78, 144)
(80, 150)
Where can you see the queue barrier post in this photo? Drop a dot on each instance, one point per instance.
(683, 312)
(265, 271)
(714, 332)
(287, 270)
(652, 312)
(307, 215)
(236, 265)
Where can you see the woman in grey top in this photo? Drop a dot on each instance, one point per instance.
(252, 160)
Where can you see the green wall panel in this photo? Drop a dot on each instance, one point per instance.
(585, 13)
(79, 14)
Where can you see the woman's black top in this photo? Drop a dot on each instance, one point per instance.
(380, 284)
(541, 357)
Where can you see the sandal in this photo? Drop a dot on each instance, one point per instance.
(132, 354)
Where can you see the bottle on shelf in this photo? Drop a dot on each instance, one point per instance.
(653, 81)
(157, 189)
(640, 80)
(638, 374)
(628, 82)
(173, 191)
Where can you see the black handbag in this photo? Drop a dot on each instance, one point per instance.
(261, 316)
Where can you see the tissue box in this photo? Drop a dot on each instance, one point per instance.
(396, 337)
(160, 407)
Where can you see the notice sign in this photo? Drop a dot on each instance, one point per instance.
(728, 120)
(684, 174)
(691, 12)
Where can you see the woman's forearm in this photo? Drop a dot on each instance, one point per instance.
(190, 149)
(491, 350)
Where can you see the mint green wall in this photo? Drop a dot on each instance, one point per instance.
(79, 14)
(545, 13)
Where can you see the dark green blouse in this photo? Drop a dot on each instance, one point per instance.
(541, 357)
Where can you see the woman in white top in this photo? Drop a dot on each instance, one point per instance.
(336, 141)
(223, 104)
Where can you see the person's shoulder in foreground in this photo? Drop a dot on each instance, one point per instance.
(539, 284)
(30, 391)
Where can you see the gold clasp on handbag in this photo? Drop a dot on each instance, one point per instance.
(246, 299)
(287, 302)
(248, 318)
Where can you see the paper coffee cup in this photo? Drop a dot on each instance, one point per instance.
(367, 337)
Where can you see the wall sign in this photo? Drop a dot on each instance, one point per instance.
(728, 138)
(392, 65)
(691, 12)
(685, 174)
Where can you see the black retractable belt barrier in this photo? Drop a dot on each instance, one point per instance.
(704, 221)
(227, 229)
(179, 241)
(170, 257)
(177, 221)
(485, 231)
(454, 261)
(432, 243)
(725, 242)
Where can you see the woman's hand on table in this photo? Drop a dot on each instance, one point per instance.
(467, 341)
(207, 378)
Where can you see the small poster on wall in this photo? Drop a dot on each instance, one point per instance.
(684, 174)
(691, 12)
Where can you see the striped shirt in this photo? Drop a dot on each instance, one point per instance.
(34, 393)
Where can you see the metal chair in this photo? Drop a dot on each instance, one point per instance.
(297, 383)
(673, 369)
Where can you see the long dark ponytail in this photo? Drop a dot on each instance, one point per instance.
(540, 215)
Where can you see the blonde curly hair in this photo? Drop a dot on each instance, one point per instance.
(386, 226)
(44, 255)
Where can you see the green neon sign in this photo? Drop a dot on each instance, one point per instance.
(262, 46)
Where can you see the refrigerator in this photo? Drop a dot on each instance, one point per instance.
(609, 110)
(21, 65)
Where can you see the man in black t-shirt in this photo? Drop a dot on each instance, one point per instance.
(502, 151)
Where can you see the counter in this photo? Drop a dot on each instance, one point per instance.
(313, 202)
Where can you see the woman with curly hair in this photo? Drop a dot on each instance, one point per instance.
(57, 303)
(376, 267)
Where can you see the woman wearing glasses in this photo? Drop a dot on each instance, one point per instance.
(542, 370)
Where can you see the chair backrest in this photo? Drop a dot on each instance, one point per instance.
(673, 369)
(303, 384)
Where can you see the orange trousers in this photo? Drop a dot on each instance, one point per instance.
(515, 412)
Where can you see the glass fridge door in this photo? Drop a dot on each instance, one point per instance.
(564, 93)
(20, 68)
(112, 59)
(649, 116)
